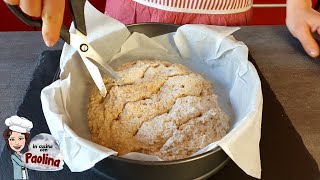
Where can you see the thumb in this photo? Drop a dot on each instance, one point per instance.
(308, 42)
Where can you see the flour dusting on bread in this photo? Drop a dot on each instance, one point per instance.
(162, 109)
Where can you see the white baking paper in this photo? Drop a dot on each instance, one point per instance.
(209, 50)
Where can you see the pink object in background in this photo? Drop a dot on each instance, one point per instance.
(221, 12)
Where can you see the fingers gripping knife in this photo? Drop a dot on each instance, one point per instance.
(91, 59)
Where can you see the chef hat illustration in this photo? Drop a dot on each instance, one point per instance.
(19, 124)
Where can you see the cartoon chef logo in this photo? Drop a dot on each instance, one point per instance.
(17, 136)
(44, 153)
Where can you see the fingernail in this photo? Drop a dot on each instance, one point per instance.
(49, 43)
(313, 53)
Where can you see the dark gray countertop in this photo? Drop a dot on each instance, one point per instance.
(19, 56)
(293, 76)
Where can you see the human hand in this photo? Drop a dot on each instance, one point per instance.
(51, 13)
(302, 20)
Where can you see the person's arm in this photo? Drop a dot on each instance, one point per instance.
(302, 20)
(51, 13)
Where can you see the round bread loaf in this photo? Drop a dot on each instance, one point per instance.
(162, 109)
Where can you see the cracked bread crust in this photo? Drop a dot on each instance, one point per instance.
(163, 109)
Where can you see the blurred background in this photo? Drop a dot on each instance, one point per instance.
(266, 12)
